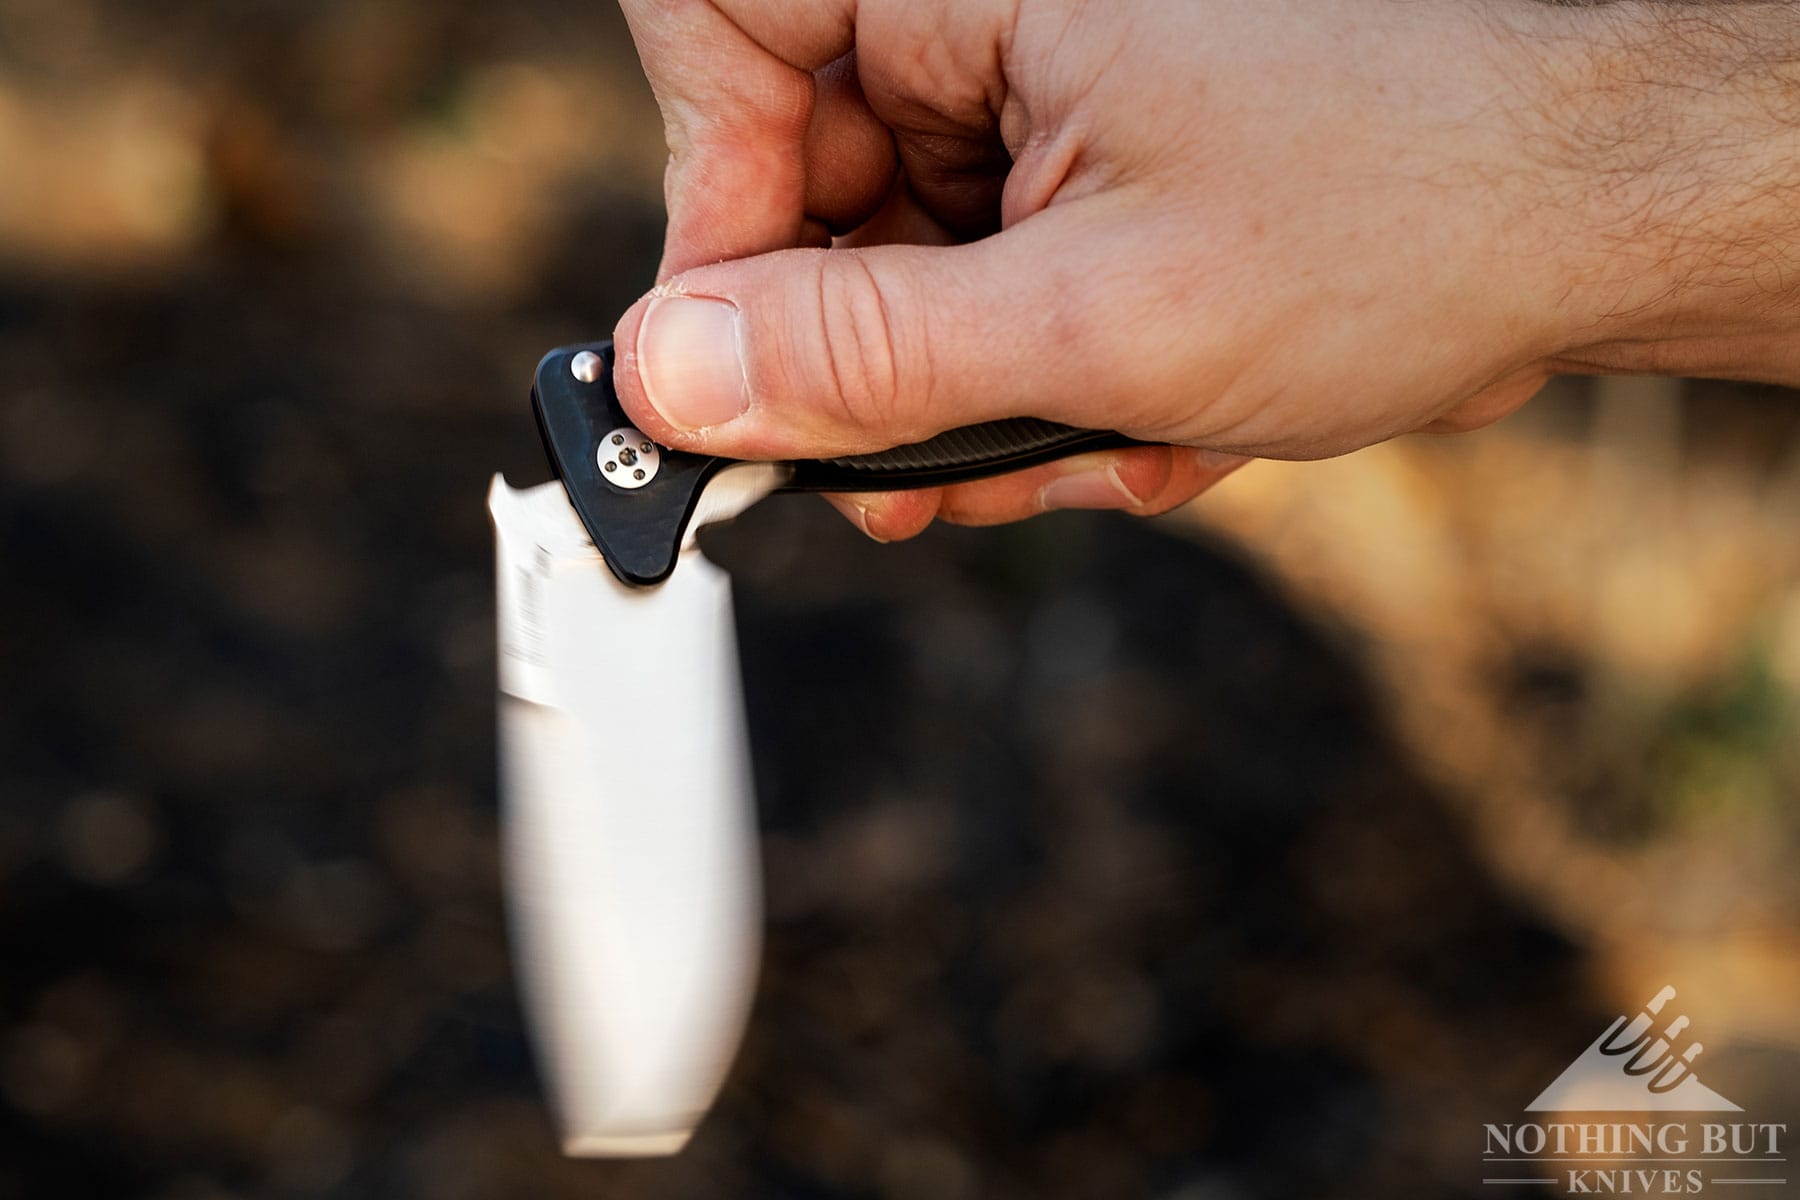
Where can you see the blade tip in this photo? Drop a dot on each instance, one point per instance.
(626, 1145)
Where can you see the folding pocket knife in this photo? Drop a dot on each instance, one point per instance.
(632, 878)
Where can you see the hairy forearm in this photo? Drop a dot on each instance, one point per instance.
(1672, 131)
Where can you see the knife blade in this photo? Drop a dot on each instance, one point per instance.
(629, 844)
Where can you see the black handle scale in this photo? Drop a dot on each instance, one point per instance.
(639, 531)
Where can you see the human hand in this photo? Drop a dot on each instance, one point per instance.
(1240, 227)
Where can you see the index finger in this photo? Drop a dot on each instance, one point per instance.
(736, 89)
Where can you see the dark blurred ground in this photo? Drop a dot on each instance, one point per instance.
(1265, 855)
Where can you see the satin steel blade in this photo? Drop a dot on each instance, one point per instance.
(629, 839)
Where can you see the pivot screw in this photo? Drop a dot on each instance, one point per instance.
(628, 459)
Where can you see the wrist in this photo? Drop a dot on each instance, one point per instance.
(1673, 137)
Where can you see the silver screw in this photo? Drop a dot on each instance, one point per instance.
(627, 458)
(587, 366)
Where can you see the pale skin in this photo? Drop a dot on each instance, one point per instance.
(1233, 228)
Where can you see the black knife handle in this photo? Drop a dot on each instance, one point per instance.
(639, 530)
(959, 455)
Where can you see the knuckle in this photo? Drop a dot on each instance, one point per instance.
(861, 352)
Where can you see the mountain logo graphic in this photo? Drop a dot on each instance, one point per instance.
(1635, 1067)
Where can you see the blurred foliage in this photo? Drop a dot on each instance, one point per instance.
(1726, 746)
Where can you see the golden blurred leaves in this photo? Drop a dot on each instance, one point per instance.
(1586, 621)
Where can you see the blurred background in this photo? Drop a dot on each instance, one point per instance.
(1264, 850)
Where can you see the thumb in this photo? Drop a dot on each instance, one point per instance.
(815, 353)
